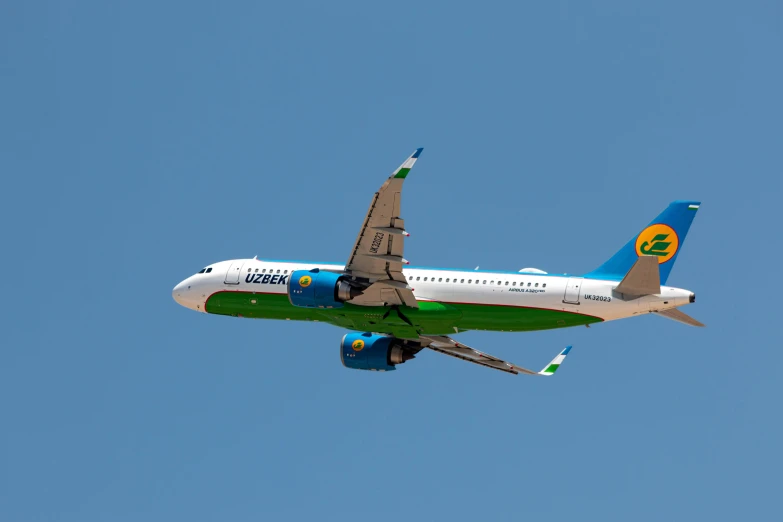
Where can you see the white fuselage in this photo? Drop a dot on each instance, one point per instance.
(575, 294)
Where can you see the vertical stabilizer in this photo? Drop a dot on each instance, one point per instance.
(662, 238)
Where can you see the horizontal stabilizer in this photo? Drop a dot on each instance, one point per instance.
(643, 278)
(680, 317)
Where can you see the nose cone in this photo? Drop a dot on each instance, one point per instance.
(186, 294)
(177, 293)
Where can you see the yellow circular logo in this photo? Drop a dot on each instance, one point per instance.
(305, 281)
(658, 240)
(357, 345)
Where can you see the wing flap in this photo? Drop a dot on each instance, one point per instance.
(448, 346)
(469, 359)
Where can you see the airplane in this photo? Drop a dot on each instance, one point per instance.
(395, 310)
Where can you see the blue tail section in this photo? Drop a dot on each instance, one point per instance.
(663, 238)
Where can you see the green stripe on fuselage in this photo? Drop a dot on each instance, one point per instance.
(430, 318)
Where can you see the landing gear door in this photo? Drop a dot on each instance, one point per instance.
(232, 276)
(573, 290)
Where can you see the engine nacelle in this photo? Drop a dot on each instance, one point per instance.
(319, 289)
(366, 351)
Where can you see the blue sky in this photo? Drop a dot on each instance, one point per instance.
(143, 140)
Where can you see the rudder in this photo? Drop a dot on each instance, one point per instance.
(663, 238)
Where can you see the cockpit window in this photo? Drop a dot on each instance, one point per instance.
(202, 270)
(209, 269)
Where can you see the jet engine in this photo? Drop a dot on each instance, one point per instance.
(319, 289)
(366, 351)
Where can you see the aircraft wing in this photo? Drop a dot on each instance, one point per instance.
(449, 346)
(376, 257)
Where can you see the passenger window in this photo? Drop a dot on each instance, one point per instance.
(470, 281)
(209, 269)
(514, 283)
(447, 279)
(485, 281)
(425, 278)
(543, 286)
(256, 270)
(417, 278)
(536, 285)
(461, 280)
(492, 282)
(528, 284)
(278, 271)
(440, 279)
(506, 283)
(249, 270)
(285, 271)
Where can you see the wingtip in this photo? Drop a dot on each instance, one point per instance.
(552, 367)
(418, 152)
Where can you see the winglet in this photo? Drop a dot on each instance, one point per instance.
(403, 170)
(556, 362)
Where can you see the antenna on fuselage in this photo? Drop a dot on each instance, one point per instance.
(476, 268)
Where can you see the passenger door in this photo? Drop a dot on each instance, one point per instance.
(234, 271)
(573, 289)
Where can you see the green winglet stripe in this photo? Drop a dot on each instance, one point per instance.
(552, 368)
(402, 173)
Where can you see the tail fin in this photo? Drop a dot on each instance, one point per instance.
(663, 238)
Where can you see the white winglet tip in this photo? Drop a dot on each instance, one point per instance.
(556, 362)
